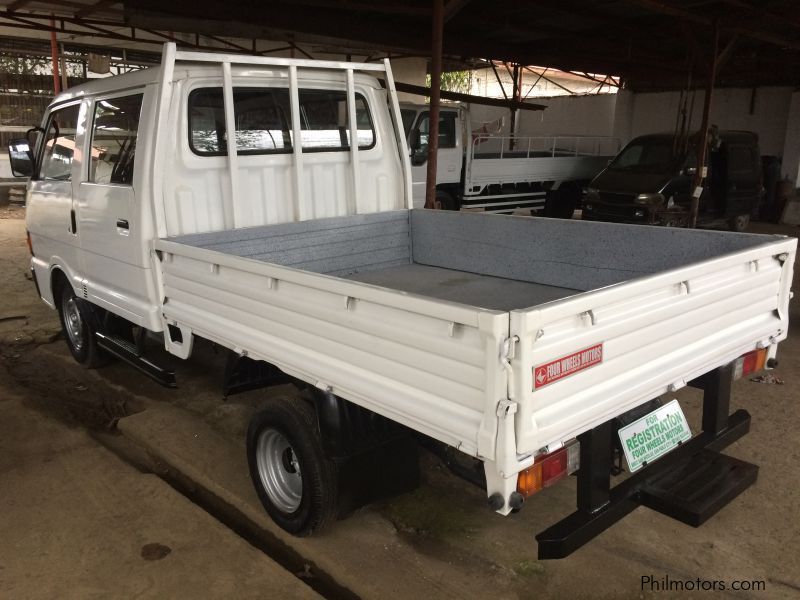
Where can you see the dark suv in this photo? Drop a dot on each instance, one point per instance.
(650, 181)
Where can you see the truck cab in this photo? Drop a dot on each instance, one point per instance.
(650, 181)
(450, 158)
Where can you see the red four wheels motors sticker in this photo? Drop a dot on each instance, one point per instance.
(567, 365)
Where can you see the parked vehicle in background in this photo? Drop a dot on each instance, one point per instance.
(264, 204)
(650, 182)
(499, 174)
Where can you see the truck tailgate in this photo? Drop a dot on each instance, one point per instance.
(585, 359)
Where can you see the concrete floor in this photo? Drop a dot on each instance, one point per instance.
(439, 541)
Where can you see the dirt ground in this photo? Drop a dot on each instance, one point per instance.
(444, 525)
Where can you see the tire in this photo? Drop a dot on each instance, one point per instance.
(739, 223)
(294, 479)
(561, 203)
(79, 324)
(444, 201)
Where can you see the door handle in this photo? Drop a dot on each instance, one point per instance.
(73, 222)
(122, 223)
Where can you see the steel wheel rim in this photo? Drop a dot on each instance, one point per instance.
(279, 470)
(73, 322)
(742, 221)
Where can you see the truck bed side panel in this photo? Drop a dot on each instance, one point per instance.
(431, 365)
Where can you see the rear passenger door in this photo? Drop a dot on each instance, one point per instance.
(113, 262)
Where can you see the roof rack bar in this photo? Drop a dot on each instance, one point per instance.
(164, 91)
(229, 204)
(400, 133)
(353, 203)
(297, 145)
(242, 59)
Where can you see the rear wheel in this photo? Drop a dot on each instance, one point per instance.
(739, 223)
(444, 201)
(79, 325)
(294, 479)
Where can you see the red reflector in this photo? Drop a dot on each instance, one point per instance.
(751, 362)
(554, 467)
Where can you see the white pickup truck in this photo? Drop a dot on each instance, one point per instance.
(480, 170)
(526, 350)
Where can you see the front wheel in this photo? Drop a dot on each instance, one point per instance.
(561, 203)
(739, 223)
(294, 479)
(79, 325)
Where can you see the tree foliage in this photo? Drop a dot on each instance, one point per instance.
(454, 81)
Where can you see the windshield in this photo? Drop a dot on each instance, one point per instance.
(654, 156)
(408, 115)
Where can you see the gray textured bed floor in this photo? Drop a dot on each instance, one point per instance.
(485, 291)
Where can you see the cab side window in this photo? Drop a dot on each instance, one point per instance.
(447, 129)
(59, 144)
(113, 149)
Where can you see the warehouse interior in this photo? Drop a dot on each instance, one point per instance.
(134, 489)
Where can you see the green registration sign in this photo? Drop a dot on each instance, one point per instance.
(654, 435)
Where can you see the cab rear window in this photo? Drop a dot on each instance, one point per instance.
(264, 126)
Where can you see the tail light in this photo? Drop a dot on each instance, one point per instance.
(548, 469)
(30, 244)
(750, 363)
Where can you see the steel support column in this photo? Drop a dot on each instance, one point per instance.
(54, 58)
(436, 81)
(702, 138)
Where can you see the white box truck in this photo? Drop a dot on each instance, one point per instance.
(484, 171)
(265, 204)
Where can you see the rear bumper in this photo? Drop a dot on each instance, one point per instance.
(690, 484)
(641, 214)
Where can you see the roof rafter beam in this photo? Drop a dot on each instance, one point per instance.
(99, 5)
(16, 5)
(452, 8)
(687, 15)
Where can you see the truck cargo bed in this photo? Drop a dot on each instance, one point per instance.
(500, 263)
(429, 317)
(496, 293)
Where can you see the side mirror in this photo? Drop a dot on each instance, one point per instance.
(415, 143)
(21, 158)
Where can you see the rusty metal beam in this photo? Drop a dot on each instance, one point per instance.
(687, 15)
(702, 139)
(99, 5)
(420, 90)
(54, 59)
(453, 7)
(16, 5)
(437, 27)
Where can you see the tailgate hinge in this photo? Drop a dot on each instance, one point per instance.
(507, 354)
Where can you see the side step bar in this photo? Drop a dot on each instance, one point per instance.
(125, 350)
(690, 484)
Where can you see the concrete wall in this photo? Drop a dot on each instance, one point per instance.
(771, 112)
(764, 111)
(565, 115)
(410, 70)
